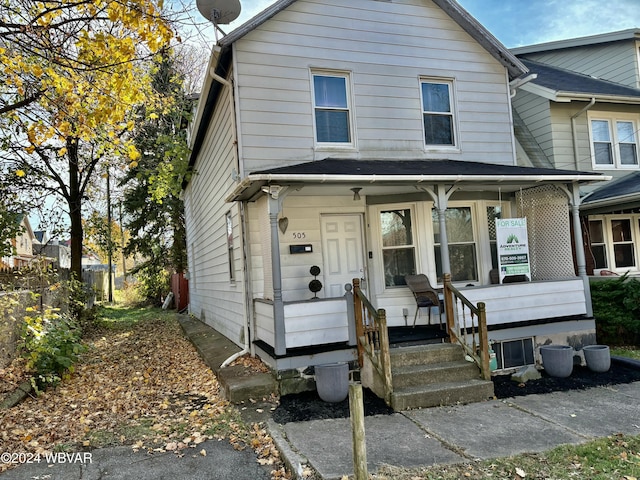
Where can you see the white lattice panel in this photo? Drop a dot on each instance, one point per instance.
(547, 212)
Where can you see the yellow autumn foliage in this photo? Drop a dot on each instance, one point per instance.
(85, 73)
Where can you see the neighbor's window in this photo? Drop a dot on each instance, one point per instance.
(598, 244)
(232, 269)
(437, 113)
(623, 248)
(331, 105)
(462, 245)
(614, 143)
(398, 249)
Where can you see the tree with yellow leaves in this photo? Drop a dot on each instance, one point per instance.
(74, 74)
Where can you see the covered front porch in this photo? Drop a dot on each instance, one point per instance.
(431, 217)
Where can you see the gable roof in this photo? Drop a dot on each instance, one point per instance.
(622, 193)
(450, 7)
(409, 173)
(620, 35)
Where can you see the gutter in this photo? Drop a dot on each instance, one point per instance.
(396, 179)
(576, 158)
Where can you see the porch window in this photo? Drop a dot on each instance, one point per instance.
(232, 269)
(398, 249)
(437, 112)
(598, 244)
(462, 245)
(623, 248)
(331, 106)
(614, 143)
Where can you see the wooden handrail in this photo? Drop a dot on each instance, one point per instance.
(373, 338)
(479, 351)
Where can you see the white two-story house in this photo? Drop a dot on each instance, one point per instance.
(372, 139)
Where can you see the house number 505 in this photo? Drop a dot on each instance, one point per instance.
(299, 235)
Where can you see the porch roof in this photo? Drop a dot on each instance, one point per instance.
(406, 173)
(621, 194)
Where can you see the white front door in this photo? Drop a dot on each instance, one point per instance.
(342, 247)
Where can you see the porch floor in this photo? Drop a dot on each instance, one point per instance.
(418, 335)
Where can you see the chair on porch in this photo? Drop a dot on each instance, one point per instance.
(424, 294)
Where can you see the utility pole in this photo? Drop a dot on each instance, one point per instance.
(124, 259)
(109, 245)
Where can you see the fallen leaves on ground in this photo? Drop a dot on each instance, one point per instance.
(140, 384)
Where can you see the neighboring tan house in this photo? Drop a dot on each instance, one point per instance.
(583, 110)
(22, 246)
(373, 140)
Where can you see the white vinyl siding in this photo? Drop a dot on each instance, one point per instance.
(617, 62)
(215, 300)
(386, 47)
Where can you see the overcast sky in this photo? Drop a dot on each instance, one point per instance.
(526, 22)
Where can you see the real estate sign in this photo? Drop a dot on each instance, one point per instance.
(513, 247)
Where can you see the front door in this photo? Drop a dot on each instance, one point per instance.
(342, 247)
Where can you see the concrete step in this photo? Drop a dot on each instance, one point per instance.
(449, 393)
(414, 375)
(425, 354)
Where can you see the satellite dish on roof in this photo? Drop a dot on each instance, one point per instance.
(220, 12)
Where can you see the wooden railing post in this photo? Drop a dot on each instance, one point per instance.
(356, 409)
(358, 317)
(385, 356)
(484, 341)
(448, 308)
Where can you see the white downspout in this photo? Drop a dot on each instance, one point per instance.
(247, 343)
(576, 159)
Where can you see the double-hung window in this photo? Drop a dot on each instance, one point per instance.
(331, 108)
(438, 113)
(230, 258)
(614, 142)
(598, 244)
(462, 244)
(623, 246)
(398, 247)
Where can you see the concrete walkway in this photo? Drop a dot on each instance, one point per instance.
(441, 435)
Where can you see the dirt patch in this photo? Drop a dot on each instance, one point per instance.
(308, 405)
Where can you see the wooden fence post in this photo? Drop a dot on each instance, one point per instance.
(356, 408)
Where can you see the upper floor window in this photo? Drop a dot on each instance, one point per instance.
(613, 143)
(437, 112)
(332, 110)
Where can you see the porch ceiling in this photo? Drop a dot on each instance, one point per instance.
(383, 177)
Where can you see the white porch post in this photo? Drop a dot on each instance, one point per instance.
(274, 206)
(441, 205)
(577, 230)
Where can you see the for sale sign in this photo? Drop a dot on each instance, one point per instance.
(513, 247)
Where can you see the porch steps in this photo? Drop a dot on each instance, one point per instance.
(434, 375)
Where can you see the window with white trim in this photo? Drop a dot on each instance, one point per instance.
(623, 246)
(331, 104)
(614, 141)
(229, 226)
(438, 112)
(462, 244)
(598, 244)
(398, 247)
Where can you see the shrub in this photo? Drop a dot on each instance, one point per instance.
(616, 308)
(51, 344)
